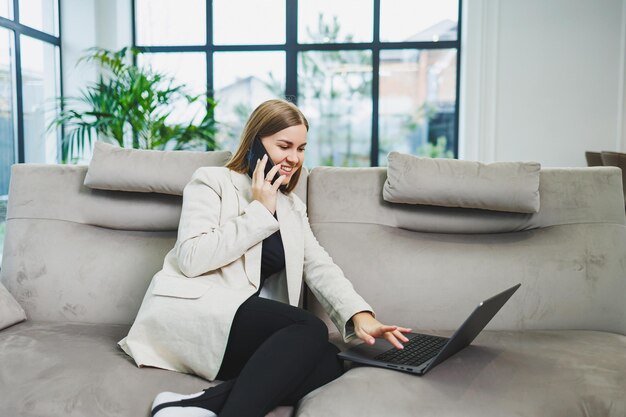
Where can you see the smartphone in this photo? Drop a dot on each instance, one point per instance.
(257, 150)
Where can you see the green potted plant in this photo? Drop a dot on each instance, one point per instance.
(130, 106)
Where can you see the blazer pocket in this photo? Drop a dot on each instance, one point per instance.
(171, 286)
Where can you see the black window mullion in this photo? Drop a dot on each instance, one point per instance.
(212, 48)
(381, 45)
(374, 151)
(30, 32)
(19, 99)
(458, 79)
(291, 50)
(184, 48)
(18, 85)
(61, 90)
(133, 32)
(420, 45)
(209, 49)
(18, 30)
(36, 34)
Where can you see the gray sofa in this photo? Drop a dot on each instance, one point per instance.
(79, 260)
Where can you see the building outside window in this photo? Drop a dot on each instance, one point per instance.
(372, 76)
(30, 79)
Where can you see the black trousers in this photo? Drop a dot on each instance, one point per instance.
(275, 355)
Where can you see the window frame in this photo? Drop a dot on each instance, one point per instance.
(19, 30)
(292, 48)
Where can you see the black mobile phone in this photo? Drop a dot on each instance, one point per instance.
(256, 151)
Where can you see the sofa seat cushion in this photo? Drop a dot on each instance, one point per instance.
(72, 369)
(503, 373)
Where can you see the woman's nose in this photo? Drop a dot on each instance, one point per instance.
(292, 157)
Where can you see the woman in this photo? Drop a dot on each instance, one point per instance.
(225, 303)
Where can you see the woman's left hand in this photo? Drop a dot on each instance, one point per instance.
(367, 328)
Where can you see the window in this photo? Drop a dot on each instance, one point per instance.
(29, 80)
(372, 76)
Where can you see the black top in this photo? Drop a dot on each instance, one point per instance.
(273, 256)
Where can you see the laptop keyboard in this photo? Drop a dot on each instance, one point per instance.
(416, 351)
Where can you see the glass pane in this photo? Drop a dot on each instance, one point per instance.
(335, 94)
(6, 10)
(3, 216)
(417, 102)
(7, 112)
(418, 20)
(240, 22)
(41, 15)
(7, 126)
(166, 22)
(242, 81)
(40, 85)
(328, 21)
(187, 68)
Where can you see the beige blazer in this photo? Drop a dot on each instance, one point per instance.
(215, 265)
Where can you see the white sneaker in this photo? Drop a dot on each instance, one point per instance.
(177, 411)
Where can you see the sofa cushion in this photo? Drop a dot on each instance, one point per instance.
(147, 171)
(10, 311)
(567, 272)
(56, 192)
(570, 262)
(500, 186)
(531, 373)
(104, 282)
(77, 370)
(568, 196)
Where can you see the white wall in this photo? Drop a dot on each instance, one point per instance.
(89, 23)
(77, 34)
(113, 23)
(543, 80)
(86, 24)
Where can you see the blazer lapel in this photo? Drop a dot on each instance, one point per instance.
(243, 184)
(252, 257)
(291, 234)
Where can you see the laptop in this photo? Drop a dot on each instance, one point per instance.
(423, 352)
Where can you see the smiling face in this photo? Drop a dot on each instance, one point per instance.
(282, 128)
(286, 148)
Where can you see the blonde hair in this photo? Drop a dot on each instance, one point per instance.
(270, 117)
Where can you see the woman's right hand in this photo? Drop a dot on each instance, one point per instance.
(262, 188)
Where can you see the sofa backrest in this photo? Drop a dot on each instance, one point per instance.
(76, 254)
(427, 267)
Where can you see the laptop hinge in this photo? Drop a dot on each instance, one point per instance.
(426, 364)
